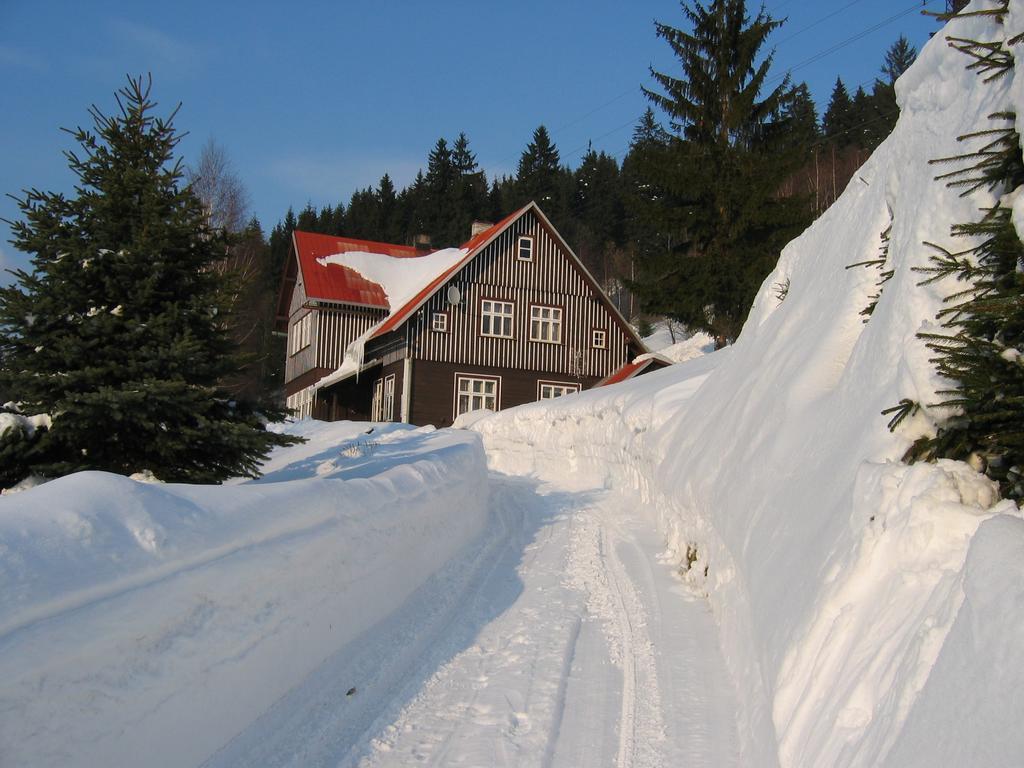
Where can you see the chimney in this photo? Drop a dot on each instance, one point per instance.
(477, 227)
(421, 241)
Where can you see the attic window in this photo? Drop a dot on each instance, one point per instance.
(600, 338)
(524, 248)
(439, 322)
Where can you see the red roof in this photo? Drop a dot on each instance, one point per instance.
(472, 247)
(337, 282)
(629, 370)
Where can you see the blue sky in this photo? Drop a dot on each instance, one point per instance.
(316, 100)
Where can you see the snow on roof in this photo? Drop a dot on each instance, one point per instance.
(345, 285)
(398, 278)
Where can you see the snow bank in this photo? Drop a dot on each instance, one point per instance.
(146, 624)
(852, 591)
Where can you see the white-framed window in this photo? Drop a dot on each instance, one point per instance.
(600, 338)
(439, 322)
(524, 248)
(377, 405)
(545, 324)
(301, 403)
(388, 406)
(548, 390)
(475, 392)
(302, 332)
(382, 407)
(496, 318)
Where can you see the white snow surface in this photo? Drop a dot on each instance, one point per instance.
(671, 340)
(147, 624)
(719, 563)
(867, 608)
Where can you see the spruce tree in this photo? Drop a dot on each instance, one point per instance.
(387, 202)
(118, 333)
(722, 220)
(439, 202)
(537, 177)
(470, 194)
(838, 118)
(898, 59)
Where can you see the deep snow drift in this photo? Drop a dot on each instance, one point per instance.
(146, 624)
(869, 610)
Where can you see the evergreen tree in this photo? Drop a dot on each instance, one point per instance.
(800, 117)
(387, 204)
(898, 59)
(309, 219)
(537, 177)
(439, 202)
(117, 333)
(463, 161)
(838, 118)
(982, 416)
(721, 219)
(470, 195)
(861, 116)
(363, 219)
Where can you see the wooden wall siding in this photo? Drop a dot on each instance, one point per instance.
(335, 329)
(433, 387)
(552, 279)
(305, 359)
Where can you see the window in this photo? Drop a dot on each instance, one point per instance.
(383, 406)
(524, 248)
(548, 390)
(439, 322)
(388, 408)
(546, 324)
(600, 338)
(496, 318)
(377, 406)
(301, 403)
(473, 393)
(302, 332)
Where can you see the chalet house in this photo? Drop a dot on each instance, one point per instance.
(391, 333)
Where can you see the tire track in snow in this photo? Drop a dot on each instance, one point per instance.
(595, 568)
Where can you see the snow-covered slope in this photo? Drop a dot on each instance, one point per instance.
(145, 624)
(868, 609)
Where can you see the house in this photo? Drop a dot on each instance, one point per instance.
(393, 333)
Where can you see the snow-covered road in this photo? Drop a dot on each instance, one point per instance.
(561, 640)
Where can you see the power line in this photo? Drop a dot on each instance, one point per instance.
(921, 4)
(816, 23)
(848, 41)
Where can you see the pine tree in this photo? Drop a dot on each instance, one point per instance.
(722, 222)
(838, 118)
(470, 194)
(898, 59)
(387, 202)
(439, 202)
(117, 333)
(537, 177)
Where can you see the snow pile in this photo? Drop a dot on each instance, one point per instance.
(671, 339)
(401, 278)
(869, 610)
(147, 624)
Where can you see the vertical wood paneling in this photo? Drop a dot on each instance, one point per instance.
(551, 279)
